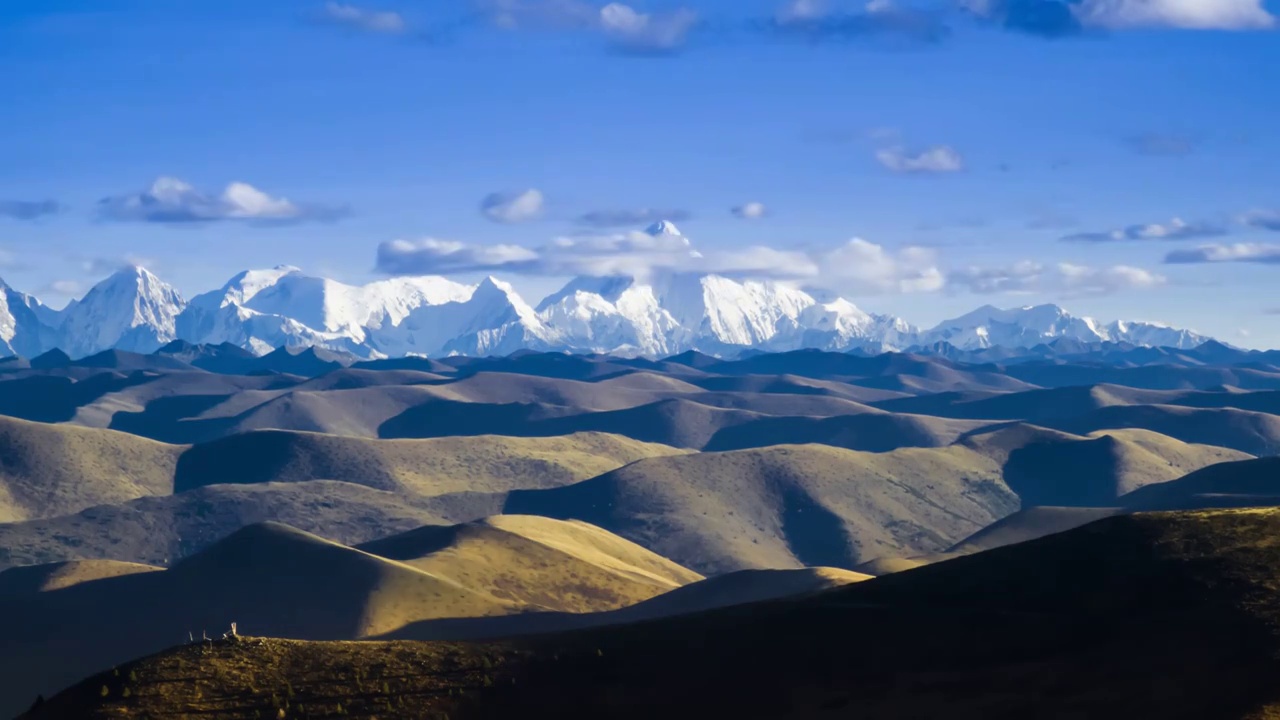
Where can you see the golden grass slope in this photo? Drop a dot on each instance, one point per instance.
(160, 530)
(479, 464)
(269, 578)
(557, 565)
(786, 506)
(1162, 615)
(48, 470)
(1051, 467)
(738, 588)
(56, 576)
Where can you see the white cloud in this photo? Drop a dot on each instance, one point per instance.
(1063, 278)
(862, 267)
(1218, 253)
(646, 32)
(623, 25)
(799, 11)
(855, 267)
(513, 207)
(751, 211)
(375, 21)
(1060, 18)
(1186, 14)
(108, 265)
(640, 216)
(1175, 229)
(938, 159)
(170, 200)
(430, 256)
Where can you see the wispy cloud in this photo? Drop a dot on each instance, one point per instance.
(98, 266)
(28, 209)
(1183, 14)
(1061, 278)
(513, 207)
(934, 160)
(383, 22)
(1175, 229)
(637, 216)
(1221, 253)
(646, 32)
(170, 200)
(857, 267)
(817, 21)
(624, 27)
(1064, 18)
(750, 211)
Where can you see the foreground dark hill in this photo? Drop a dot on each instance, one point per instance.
(78, 618)
(1158, 615)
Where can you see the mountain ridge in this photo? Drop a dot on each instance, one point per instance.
(433, 316)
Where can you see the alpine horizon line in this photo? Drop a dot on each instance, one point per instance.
(434, 316)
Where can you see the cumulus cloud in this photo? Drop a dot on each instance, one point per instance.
(1262, 220)
(622, 25)
(1061, 18)
(638, 216)
(513, 207)
(1186, 14)
(855, 267)
(375, 21)
(632, 253)
(170, 200)
(1063, 278)
(646, 32)
(862, 267)
(938, 159)
(28, 209)
(1175, 229)
(817, 20)
(750, 211)
(1219, 253)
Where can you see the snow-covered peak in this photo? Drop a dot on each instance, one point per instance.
(25, 324)
(262, 310)
(131, 310)
(609, 288)
(1030, 326)
(664, 227)
(1153, 335)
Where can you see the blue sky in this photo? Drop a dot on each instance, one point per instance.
(960, 141)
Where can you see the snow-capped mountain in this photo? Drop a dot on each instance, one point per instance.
(25, 327)
(262, 310)
(1026, 327)
(1153, 335)
(132, 310)
(282, 307)
(492, 320)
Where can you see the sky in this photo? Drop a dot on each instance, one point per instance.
(921, 158)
